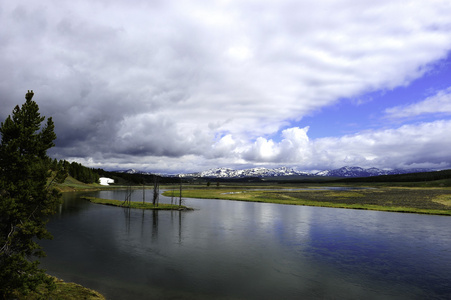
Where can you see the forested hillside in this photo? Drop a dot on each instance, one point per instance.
(80, 172)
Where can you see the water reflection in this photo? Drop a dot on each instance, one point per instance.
(146, 223)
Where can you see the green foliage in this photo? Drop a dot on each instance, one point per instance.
(27, 196)
(121, 178)
(81, 173)
(63, 291)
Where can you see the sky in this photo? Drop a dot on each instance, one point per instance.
(186, 86)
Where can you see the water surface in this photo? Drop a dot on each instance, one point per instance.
(244, 250)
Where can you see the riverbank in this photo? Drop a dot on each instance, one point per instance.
(378, 196)
(139, 205)
(64, 291)
(436, 201)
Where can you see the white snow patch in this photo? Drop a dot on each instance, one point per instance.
(105, 180)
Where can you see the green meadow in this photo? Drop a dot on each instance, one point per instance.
(422, 200)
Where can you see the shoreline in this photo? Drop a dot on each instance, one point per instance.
(63, 291)
(424, 200)
(137, 205)
(402, 200)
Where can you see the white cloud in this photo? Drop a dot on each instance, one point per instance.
(224, 147)
(408, 146)
(440, 103)
(157, 79)
(424, 145)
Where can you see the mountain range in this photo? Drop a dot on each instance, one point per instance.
(284, 171)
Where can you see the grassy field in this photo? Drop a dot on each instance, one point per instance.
(73, 185)
(140, 205)
(383, 198)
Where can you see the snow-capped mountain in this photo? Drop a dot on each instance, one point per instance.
(284, 171)
(361, 172)
(133, 171)
(254, 172)
(355, 172)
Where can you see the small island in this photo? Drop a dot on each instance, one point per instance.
(139, 205)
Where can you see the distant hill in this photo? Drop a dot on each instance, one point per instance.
(346, 172)
(254, 172)
(406, 177)
(285, 175)
(132, 171)
(361, 172)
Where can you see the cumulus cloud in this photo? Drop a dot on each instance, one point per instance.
(190, 84)
(409, 146)
(294, 147)
(440, 103)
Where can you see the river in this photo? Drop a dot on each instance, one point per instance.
(243, 250)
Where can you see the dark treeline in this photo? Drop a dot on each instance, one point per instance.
(236, 180)
(121, 178)
(78, 171)
(92, 175)
(410, 177)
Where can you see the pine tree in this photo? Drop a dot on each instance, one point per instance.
(27, 197)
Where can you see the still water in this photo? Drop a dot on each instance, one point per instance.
(243, 250)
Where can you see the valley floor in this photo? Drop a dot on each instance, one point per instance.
(396, 199)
